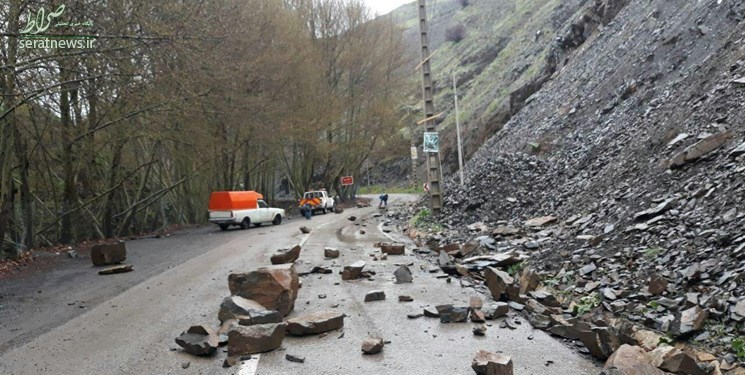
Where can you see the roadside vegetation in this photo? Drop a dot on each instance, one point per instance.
(183, 98)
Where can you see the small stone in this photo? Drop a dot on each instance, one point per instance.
(588, 269)
(185, 365)
(372, 345)
(376, 295)
(230, 362)
(116, 269)
(495, 310)
(305, 229)
(657, 285)
(403, 275)
(450, 314)
(690, 321)
(294, 358)
(479, 330)
(199, 340)
(431, 313)
(286, 256)
(405, 299)
(393, 249)
(488, 363)
(331, 253)
(541, 221)
(353, 271)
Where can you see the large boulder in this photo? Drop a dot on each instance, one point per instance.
(108, 254)
(198, 340)
(274, 287)
(315, 323)
(248, 311)
(285, 256)
(497, 282)
(260, 338)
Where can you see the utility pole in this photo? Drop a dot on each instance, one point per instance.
(433, 160)
(457, 129)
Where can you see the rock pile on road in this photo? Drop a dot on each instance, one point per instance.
(622, 179)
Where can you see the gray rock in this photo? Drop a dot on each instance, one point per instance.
(315, 323)
(488, 363)
(699, 149)
(198, 340)
(294, 358)
(375, 295)
(255, 339)
(108, 254)
(690, 321)
(248, 311)
(372, 345)
(497, 282)
(403, 275)
(450, 314)
(656, 210)
(285, 256)
(353, 271)
(331, 253)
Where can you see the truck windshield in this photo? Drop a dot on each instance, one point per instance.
(263, 204)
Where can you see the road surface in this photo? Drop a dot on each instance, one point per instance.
(129, 324)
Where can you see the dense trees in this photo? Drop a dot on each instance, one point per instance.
(179, 98)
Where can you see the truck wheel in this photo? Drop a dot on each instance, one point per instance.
(245, 223)
(224, 227)
(277, 220)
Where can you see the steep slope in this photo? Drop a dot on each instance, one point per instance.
(602, 146)
(509, 51)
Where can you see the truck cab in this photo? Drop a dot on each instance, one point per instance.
(318, 200)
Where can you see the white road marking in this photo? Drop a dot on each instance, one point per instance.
(249, 367)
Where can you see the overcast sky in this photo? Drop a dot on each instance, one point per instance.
(385, 6)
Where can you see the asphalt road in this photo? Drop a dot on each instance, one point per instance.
(130, 326)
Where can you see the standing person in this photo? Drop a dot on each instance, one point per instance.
(307, 211)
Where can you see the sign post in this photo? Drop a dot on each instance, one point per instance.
(347, 181)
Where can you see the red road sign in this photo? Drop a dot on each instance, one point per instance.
(347, 181)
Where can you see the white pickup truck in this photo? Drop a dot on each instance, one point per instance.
(228, 208)
(318, 200)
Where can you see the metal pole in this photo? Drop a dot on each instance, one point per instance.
(457, 129)
(433, 160)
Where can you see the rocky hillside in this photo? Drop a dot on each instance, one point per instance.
(508, 51)
(629, 141)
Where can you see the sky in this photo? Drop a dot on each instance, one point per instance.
(385, 6)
